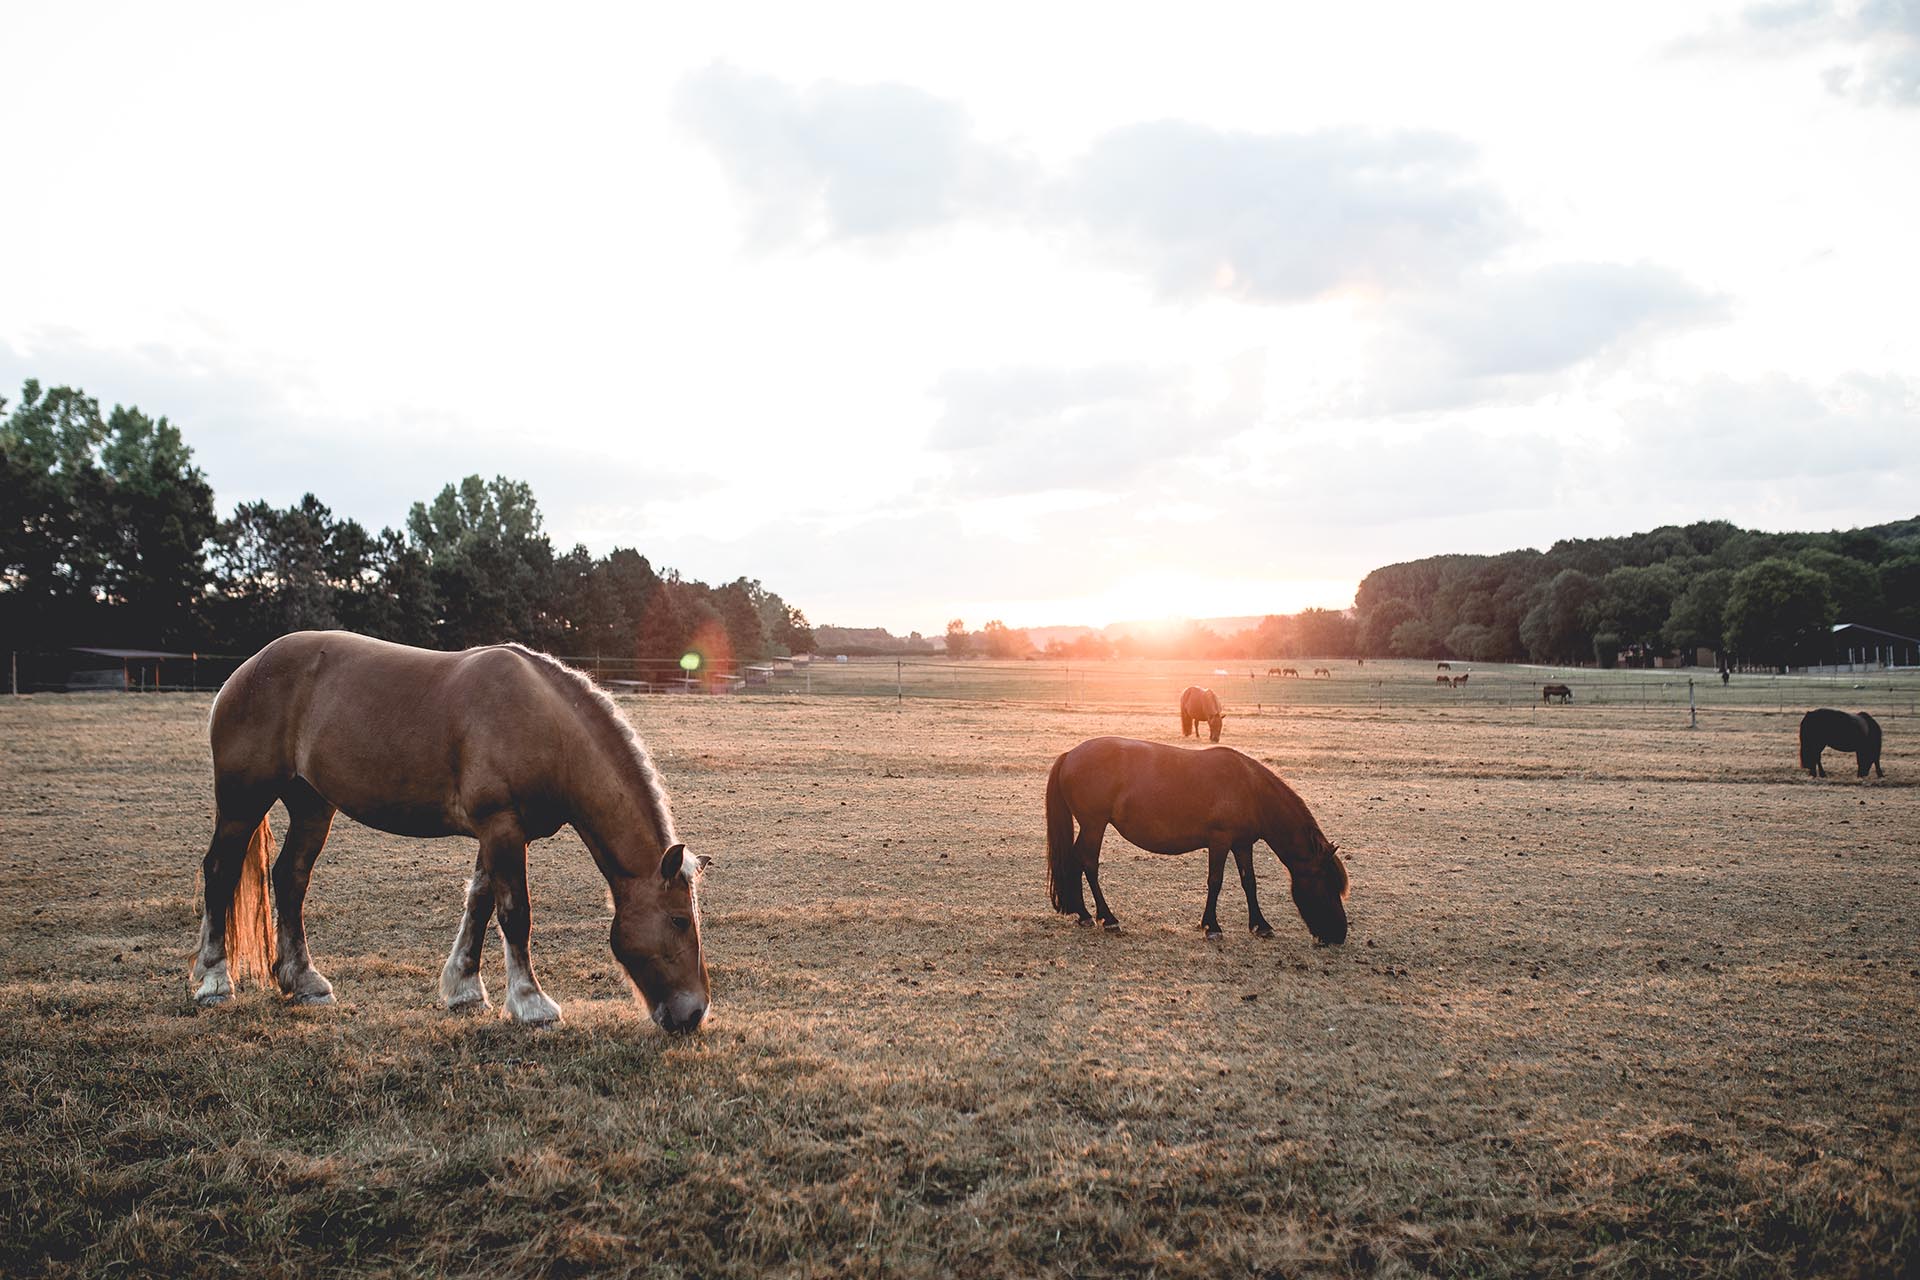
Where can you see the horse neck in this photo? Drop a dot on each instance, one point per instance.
(614, 800)
(1283, 816)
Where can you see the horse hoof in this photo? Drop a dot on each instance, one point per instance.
(1111, 926)
(1263, 931)
(1085, 922)
(211, 999)
(321, 997)
(1214, 935)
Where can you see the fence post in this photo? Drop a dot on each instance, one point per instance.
(1693, 716)
(899, 689)
(16, 673)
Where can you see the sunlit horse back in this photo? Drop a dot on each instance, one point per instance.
(500, 743)
(1170, 800)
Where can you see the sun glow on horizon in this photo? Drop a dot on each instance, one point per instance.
(1167, 597)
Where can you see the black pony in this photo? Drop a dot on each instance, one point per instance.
(1840, 731)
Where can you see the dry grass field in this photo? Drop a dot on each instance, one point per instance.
(1620, 998)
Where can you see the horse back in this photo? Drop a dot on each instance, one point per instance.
(1163, 798)
(407, 740)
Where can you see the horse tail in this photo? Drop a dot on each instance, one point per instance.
(1873, 744)
(250, 933)
(1809, 753)
(1063, 868)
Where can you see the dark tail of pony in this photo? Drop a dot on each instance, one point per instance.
(250, 932)
(1063, 866)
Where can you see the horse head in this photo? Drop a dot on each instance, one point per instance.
(656, 938)
(1320, 891)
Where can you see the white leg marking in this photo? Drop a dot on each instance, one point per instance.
(215, 986)
(525, 1000)
(461, 986)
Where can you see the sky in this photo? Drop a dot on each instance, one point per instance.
(1050, 314)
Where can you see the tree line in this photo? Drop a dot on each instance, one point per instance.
(1752, 598)
(109, 537)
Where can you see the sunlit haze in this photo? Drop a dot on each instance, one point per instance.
(1049, 314)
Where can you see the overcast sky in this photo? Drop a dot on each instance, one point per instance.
(1041, 313)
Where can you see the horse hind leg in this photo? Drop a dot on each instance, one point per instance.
(1216, 873)
(311, 821)
(233, 830)
(1088, 846)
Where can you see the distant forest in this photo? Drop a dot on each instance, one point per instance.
(109, 537)
(1757, 599)
(1751, 598)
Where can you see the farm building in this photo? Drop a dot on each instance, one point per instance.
(123, 670)
(1854, 646)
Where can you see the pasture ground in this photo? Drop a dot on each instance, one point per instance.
(1620, 998)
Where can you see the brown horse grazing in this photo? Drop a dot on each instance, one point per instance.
(1548, 692)
(1826, 729)
(1197, 705)
(499, 743)
(1167, 800)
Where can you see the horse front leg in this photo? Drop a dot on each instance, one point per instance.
(525, 1000)
(1243, 858)
(1216, 872)
(306, 836)
(461, 986)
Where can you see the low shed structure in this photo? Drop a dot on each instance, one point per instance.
(1856, 647)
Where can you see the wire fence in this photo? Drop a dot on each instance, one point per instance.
(1260, 687)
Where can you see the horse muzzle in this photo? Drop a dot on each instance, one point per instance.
(680, 1014)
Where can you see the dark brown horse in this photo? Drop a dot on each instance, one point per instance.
(1168, 800)
(1548, 692)
(1198, 705)
(1826, 729)
(502, 744)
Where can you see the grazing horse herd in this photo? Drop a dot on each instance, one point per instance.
(507, 745)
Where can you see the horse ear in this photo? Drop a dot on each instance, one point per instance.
(672, 861)
(703, 861)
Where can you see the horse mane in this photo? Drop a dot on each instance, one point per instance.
(611, 722)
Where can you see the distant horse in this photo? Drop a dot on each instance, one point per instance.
(1322, 671)
(1443, 680)
(500, 743)
(1290, 671)
(1443, 666)
(1197, 705)
(1167, 800)
(1273, 671)
(1548, 692)
(1827, 729)
(1461, 679)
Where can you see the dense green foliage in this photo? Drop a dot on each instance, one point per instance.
(108, 536)
(1751, 597)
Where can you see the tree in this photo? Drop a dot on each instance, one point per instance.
(1001, 641)
(1853, 584)
(959, 643)
(1474, 642)
(740, 616)
(1559, 628)
(1695, 621)
(1379, 623)
(1777, 612)
(1413, 639)
(490, 561)
(1900, 588)
(1633, 603)
(1325, 633)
